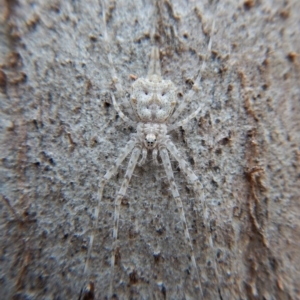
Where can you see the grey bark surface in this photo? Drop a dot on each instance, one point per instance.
(60, 133)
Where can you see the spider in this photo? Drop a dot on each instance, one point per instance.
(153, 100)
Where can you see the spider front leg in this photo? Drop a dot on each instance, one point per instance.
(130, 168)
(144, 157)
(128, 148)
(198, 189)
(190, 175)
(167, 165)
(154, 157)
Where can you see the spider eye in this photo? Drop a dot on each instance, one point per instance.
(146, 93)
(163, 94)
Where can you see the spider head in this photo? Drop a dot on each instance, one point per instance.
(150, 141)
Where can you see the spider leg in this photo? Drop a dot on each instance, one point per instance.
(130, 168)
(113, 71)
(127, 149)
(186, 120)
(107, 49)
(190, 175)
(198, 189)
(144, 157)
(167, 165)
(120, 113)
(196, 85)
(154, 157)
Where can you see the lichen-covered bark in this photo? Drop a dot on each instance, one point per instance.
(59, 133)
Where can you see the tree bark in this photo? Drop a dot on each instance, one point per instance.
(60, 133)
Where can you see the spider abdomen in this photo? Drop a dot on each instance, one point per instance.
(153, 99)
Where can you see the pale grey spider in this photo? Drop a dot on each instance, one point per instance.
(153, 101)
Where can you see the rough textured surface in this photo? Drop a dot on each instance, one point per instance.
(59, 133)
